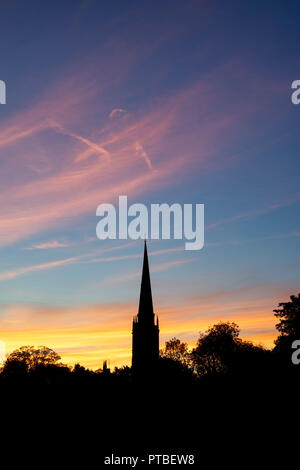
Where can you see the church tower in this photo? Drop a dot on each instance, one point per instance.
(145, 331)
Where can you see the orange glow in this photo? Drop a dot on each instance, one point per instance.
(90, 335)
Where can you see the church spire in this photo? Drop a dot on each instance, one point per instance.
(145, 333)
(146, 304)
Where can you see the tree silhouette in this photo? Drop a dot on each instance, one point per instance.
(288, 326)
(289, 314)
(176, 350)
(123, 371)
(79, 370)
(30, 358)
(214, 348)
(220, 351)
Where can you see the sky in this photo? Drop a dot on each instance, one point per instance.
(175, 102)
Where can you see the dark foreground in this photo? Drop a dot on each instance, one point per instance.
(218, 420)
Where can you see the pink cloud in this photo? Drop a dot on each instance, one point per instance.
(116, 112)
(47, 245)
(6, 275)
(141, 151)
(178, 131)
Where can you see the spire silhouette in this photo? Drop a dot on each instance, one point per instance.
(146, 303)
(145, 333)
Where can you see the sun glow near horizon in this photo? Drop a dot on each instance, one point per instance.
(90, 341)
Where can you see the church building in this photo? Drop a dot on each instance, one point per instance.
(145, 328)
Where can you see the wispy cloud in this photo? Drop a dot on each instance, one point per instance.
(92, 145)
(17, 272)
(6, 275)
(154, 269)
(78, 178)
(47, 245)
(116, 112)
(141, 151)
(136, 255)
(254, 213)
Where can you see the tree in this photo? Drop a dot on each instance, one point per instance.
(122, 371)
(31, 358)
(288, 326)
(213, 353)
(220, 351)
(177, 351)
(250, 360)
(289, 314)
(79, 370)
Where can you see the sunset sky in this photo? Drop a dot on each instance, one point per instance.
(162, 101)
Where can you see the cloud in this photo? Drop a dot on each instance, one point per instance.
(141, 151)
(6, 275)
(92, 145)
(47, 245)
(104, 160)
(154, 269)
(254, 213)
(17, 272)
(82, 178)
(136, 255)
(116, 112)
